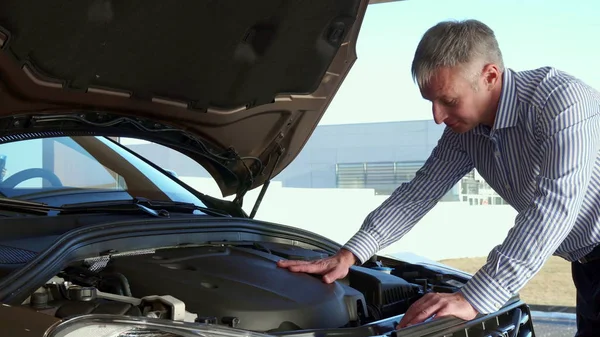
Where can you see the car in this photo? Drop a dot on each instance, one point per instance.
(96, 240)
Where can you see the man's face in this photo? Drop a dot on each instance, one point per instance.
(457, 98)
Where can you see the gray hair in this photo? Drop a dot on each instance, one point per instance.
(455, 43)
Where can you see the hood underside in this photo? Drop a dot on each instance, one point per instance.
(239, 86)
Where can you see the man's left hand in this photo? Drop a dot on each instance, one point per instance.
(439, 305)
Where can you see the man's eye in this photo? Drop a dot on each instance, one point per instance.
(449, 102)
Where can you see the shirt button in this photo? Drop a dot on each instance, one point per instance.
(507, 186)
(497, 306)
(497, 154)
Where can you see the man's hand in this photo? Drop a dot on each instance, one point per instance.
(439, 305)
(332, 268)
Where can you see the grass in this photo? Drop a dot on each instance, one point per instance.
(553, 285)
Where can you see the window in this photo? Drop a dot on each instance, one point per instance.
(350, 175)
(56, 157)
(88, 172)
(406, 171)
(382, 177)
(77, 169)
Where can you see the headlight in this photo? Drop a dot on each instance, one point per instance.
(125, 326)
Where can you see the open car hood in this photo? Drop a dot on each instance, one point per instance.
(239, 86)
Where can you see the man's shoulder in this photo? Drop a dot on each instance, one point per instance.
(542, 75)
(559, 98)
(536, 86)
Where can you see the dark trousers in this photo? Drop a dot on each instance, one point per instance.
(586, 277)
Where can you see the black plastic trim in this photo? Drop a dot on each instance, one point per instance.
(445, 326)
(15, 287)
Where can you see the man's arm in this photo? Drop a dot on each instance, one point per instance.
(447, 164)
(568, 129)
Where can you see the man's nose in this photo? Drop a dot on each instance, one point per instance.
(439, 115)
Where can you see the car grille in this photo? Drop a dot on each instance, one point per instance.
(11, 255)
(397, 294)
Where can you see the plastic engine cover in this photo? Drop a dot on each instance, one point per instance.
(239, 282)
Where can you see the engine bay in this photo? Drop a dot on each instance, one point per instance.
(237, 284)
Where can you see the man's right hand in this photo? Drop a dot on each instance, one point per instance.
(332, 268)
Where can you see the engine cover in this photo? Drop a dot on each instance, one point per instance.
(227, 282)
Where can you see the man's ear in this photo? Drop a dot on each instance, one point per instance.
(491, 75)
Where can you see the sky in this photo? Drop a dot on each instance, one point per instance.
(531, 33)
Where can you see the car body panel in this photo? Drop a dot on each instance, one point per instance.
(234, 100)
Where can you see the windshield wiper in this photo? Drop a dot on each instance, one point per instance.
(158, 208)
(26, 207)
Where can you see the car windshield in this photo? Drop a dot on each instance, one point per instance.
(65, 170)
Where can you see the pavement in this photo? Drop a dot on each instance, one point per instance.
(554, 324)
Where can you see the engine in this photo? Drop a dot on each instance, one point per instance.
(235, 284)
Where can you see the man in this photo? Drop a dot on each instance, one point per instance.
(534, 136)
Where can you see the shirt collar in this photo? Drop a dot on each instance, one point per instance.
(507, 115)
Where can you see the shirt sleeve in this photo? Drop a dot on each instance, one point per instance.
(567, 129)
(446, 165)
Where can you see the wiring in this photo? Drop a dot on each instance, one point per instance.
(140, 126)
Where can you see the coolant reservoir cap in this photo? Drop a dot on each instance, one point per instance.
(84, 294)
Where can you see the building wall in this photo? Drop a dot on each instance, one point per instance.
(331, 147)
(334, 153)
(330, 144)
(315, 166)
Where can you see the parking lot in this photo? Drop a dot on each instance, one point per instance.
(554, 324)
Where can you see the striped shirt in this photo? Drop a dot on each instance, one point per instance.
(541, 156)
